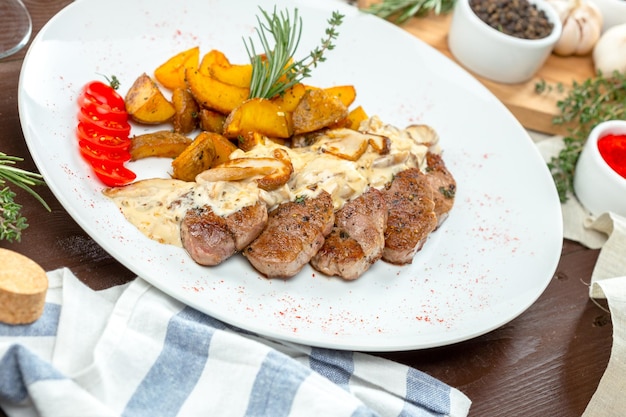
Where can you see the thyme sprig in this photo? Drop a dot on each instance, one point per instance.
(586, 104)
(275, 70)
(11, 221)
(399, 11)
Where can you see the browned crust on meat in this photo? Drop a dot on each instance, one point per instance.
(294, 233)
(211, 239)
(357, 239)
(443, 185)
(411, 216)
(206, 237)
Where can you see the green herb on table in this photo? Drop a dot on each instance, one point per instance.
(587, 104)
(11, 221)
(399, 11)
(274, 70)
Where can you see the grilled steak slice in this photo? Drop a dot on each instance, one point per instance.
(295, 231)
(357, 239)
(443, 185)
(411, 216)
(210, 239)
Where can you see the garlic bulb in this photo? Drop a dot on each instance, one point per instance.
(582, 26)
(609, 53)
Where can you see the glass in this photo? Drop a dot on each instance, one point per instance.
(16, 26)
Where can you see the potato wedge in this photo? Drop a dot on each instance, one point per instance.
(355, 117)
(197, 157)
(258, 115)
(187, 110)
(249, 140)
(214, 94)
(223, 148)
(162, 144)
(145, 102)
(211, 121)
(237, 75)
(345, 93)
(316, 110)
(171, 74)
(213, 57)
(290, 98)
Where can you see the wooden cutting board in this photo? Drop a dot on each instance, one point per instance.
(534, 111)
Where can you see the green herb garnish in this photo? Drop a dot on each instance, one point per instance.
(399, 11)
(11, 221)
(587, 104)
(274, 70)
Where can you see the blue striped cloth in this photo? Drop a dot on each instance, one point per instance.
(133, 351)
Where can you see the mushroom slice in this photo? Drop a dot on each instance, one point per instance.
(274, 172)
(351, 145)
(423, 134)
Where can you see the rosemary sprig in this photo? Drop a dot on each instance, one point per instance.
(587, 104)
(275, 70)
(11, 221)
(399, 11)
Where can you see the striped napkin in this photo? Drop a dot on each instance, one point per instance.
(132, 350)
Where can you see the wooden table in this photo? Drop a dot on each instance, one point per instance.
(548, 361)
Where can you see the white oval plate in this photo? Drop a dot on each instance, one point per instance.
(488, 263)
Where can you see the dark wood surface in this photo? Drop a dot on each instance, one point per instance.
(547, 361)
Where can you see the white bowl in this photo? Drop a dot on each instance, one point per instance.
(496, 55)
(598, 187)
(613, 12)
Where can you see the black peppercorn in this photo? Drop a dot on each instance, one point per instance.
(518, 18)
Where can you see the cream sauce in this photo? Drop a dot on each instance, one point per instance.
(157, 206)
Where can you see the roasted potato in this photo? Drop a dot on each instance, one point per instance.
(223, 147)
(317, 109)
(213, 57)
(214, 94)
(171, 74)
(145, 102)
(258, 115)
(290, 98)
(164, 144)
(237, 75)
(211, 121)
(345, 93)
(197, 157)
(187, 111)
(355, 117)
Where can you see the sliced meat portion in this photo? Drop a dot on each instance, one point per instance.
(411, 216)
(210, 239)
(443, 185)
(295, 232)
(357, 239)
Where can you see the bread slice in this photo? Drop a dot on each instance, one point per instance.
(23, 286)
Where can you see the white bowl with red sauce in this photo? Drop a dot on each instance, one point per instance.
(600, 177)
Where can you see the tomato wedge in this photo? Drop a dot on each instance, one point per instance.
(103, 133)
(103, 124)
(103, 141)
(104, 94)
(97, 155)
(113, 175)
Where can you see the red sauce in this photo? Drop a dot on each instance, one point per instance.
(613, 151)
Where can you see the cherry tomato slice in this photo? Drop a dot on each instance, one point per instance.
(113, 175)
(92, 108)
(87, 133)
(103, 125)
(104, 94)
(95, 155)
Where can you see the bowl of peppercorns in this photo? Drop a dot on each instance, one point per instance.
(506, 41)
